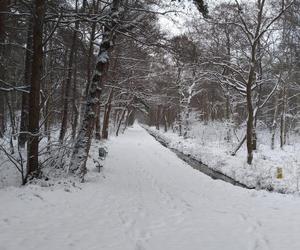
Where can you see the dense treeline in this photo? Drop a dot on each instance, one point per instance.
(71, 71)
(241, 66)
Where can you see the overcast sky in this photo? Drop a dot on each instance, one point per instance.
(174, 24)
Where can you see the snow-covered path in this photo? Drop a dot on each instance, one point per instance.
(147, 198)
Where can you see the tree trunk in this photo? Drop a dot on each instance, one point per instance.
(27, 76)
(259, 77)
(128, 115)
(107, 115)
(48, 105)
(157, 118)
(34, 104)
(89, 66)
(274, 124)
(123, 115)
(120, 121)
(165, 119)
(98, 126)
(239, 145)
(283, 118)
(84, 137)
(90, 57)
(250, 119)
(3, 8)
(12, 122)
(186, 120)
(75, 111)
(64, 123)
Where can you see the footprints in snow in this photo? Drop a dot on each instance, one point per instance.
(255, 228)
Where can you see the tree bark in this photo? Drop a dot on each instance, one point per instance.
(3, 8)
(84, 137)
(34, 104)
(165, 119)
(157, 118)
(98, 125)
(75, 111)
(64, 123)
(89, 65)
(283, 117)
(25, 100)
(123, 115)
(250, 81)
(48, 105)
(108, 107)
(274, 124)
(120, 121)
(250, 114)
(126, 123)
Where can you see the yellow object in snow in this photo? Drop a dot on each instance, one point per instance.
(279, 173)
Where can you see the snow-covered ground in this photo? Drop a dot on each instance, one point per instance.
(146, 198)
(207, 144)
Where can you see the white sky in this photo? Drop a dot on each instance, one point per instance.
(175, 24)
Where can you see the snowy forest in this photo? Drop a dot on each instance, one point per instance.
(149, 124)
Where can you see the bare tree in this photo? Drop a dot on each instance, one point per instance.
(34, 95)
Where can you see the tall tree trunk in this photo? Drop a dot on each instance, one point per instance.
(34, 104)
(3, 8)
(75, 111)
(157, 118)
(107, 115)
(89, 65)
(165, 119)
(108, 105)
(90, 58)
(117, 118)
(126, 123)
(120, 121)
(98, 125)
(283, 117)
(123, 115)
(250, 117)
(274, 124)
(259, 78)
(227, 72)
(27, 76)
(48, 105)
(186, 120)
(84, 137)
(12, 122)
(250, 81)
(64, 123)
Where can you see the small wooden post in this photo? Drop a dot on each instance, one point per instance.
(279, 174)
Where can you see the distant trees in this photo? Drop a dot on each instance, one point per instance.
(71, 71)
(237, 74)
(48, 79)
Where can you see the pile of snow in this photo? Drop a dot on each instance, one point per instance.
(207, 143)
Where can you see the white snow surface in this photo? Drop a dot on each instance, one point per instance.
(206, 143)
(146, 198)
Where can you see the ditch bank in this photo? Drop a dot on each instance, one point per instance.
(196, 164)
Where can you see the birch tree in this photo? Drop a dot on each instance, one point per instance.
(84, 137)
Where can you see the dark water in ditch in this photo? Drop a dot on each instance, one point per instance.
(199, 165)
